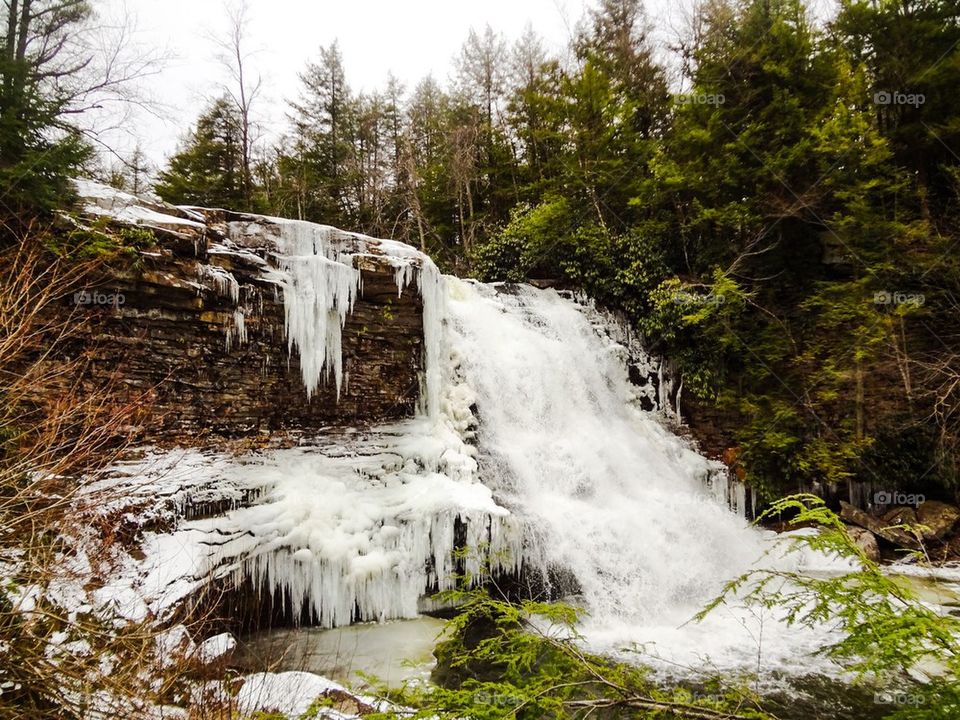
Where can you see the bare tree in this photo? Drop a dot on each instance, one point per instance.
(244, 86)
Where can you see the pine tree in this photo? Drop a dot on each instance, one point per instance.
(39, 148)
(325, 120)
(209, 169)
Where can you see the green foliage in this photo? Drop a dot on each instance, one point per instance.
(101, 240)
(208, 169)
(885, 630)
(531, 244)
(505, 660)
(745, 226)
(39, 147)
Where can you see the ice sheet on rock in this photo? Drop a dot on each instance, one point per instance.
(214, 648)
(356, 528)
(227, 249)
(104, 200)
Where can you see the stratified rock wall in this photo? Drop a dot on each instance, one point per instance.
(195, 327)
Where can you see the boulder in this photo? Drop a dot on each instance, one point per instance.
(900, 515)
(877, 526)
(866, 541)
(938, 518)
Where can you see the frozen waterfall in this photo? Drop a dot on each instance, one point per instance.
(530, 448)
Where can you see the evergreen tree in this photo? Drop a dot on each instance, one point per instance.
(39, 148)
(209, 169)
(911, 53)
(324, 119)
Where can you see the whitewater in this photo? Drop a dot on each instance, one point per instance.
(531, 448)
(607, 493)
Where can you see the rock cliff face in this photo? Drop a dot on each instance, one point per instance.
(195, 325)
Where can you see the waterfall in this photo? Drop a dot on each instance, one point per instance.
(604, 490)
(531, 445)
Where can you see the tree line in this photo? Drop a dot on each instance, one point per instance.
(781, 222)
(776, 211)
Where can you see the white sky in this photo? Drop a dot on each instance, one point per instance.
(411, 38)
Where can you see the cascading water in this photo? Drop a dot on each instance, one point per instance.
(530, 444)
(603, 491)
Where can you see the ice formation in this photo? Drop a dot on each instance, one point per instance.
(320, 283)
(530, 448)
(357, 527)
(319, 286)
(223, 281)
(237, 331)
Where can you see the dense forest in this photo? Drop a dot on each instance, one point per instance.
(780, 220)
(772, 201)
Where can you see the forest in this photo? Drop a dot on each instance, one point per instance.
(636, 280)
(772, 201)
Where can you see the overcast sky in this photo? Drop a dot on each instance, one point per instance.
(410, 38)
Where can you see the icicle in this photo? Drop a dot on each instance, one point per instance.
(319, 290)
(677, 414)
(237, 333)
(385, 574)
(433, 292)
(224, 283)
(403, 274)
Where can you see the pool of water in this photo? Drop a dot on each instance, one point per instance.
(393, 652)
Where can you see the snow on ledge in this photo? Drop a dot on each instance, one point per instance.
(105, 201)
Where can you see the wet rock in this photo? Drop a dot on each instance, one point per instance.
(877, 526)
(900, 515)
(937, 518)
(866, 541)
